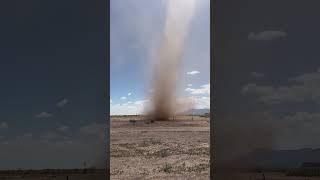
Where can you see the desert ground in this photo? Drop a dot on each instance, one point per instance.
(52, 175)
(259, 176)
(174, 149)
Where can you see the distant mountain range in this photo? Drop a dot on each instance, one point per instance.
(197, 112)
(279, 158)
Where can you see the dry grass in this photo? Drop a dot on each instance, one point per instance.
(176, 149)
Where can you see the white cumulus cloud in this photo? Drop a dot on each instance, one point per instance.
(203, 90)
(193, 72)
(193, 102)
(43, 115)
(62, 103)
(303, 88)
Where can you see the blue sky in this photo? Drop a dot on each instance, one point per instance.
(268, 75)
(52, 81)
(136, 30)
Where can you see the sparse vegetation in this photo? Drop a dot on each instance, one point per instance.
(167, 168)
(199, 151)
(150, 141)
(164, 152)
(132, 121)
(198, 167)
(116, 171)
(176, 148)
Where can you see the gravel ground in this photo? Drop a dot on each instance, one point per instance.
(176, 149)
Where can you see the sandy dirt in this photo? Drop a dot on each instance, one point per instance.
(176, 149)
(259, 176)
(55, 177)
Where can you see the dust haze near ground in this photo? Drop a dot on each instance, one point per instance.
(178, 16)
(237, 136)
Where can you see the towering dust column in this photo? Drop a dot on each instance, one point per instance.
(178, 16)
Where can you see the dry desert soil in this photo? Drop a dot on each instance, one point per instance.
(174, 149)
(259, 176)
(40, 175)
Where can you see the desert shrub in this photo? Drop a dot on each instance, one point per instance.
(132, 121)
(198, 168)
(164, 152)
(199, 151)
(167, 168)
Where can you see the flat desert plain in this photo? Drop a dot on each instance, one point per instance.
(26, 175)
(259, 176)
(174, 149)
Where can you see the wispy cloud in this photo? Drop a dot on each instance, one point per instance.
(3, 125)
(267, 35)
(129, 108)
(129, 94)
(123, 97)
(193, 72)
(43, 115)
(63, 128)
(189, 85)
(62, 103)
(257, 74)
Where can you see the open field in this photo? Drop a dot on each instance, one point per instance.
(176, 149)
(259, 176)
(53, 175)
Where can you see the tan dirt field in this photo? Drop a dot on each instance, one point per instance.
(175, 149)
(55, 177)
(258, 176)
